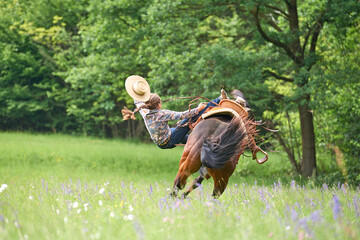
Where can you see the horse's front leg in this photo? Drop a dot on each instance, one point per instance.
(189, 164)
(187, 167)
(174, 191)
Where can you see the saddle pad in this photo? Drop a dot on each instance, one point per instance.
(220, 111)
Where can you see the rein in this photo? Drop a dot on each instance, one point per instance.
(195, 98)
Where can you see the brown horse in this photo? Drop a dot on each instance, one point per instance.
(214, 147)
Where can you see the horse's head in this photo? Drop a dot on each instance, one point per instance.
(237, 93)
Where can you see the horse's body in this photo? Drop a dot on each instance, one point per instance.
(213, 147)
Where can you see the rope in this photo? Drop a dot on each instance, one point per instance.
(195, 98)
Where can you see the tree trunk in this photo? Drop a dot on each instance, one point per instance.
(308, 162)
(289, 152)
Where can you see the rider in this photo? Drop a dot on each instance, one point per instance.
(156, 119)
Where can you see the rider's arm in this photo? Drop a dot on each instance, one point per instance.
(138, 103)
(168, 115)
(142, 111)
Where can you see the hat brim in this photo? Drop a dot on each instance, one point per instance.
(129, 83)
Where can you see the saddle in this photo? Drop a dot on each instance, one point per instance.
(226, 107)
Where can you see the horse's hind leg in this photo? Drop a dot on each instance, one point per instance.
(193, 186)
(197, 182)
(219, 186)
(221, 178)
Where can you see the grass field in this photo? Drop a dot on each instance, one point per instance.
(64, 187)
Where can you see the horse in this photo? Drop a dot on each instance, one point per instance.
(213, 148)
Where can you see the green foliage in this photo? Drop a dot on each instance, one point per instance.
(64, 63)
(27, 48)
(339, 113)
(23, 101)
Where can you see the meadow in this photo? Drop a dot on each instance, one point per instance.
(66, 187)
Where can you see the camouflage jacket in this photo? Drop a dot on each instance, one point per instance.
(156, 121)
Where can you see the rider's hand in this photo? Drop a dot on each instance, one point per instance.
(201, 106)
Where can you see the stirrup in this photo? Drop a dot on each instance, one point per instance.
(262, 160)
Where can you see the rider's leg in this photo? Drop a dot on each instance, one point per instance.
(179, 134)
(212, 103)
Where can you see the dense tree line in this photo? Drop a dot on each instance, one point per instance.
(64, 63)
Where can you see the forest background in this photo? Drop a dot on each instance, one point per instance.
(64, 63)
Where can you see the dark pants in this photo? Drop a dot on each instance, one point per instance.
(179, 134)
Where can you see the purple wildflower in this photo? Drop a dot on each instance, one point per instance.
(336, 207)
(163, 201)
(316, 216)
(294, 215)
(355, 200)
(312, 203)
(261, 193)
(293, 184)
(151, 190)
(298, 206)
(267, 208)
(161, 205)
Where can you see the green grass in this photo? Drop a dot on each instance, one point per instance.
(64, 187)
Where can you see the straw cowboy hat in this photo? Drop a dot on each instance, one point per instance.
(138, 88)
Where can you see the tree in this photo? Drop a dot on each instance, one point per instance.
(300, 41)
(339, 104)
(106, 54)
(193, 34)
(25, 76)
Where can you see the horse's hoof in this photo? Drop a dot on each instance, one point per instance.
(173, 195)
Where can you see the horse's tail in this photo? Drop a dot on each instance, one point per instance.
(217, 150)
